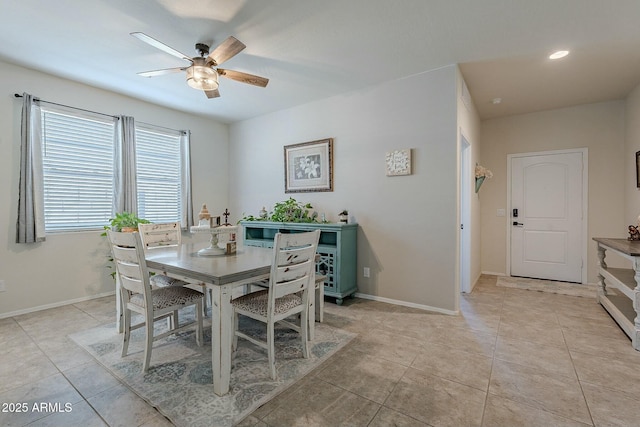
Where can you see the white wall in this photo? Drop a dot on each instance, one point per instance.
(72, 266)
(408, 224)
(469, 126)
(599, 127)
(632, 145)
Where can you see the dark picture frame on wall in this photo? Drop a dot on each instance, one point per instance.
(308, 167)
(638, 169)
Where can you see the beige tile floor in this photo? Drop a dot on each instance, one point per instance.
(512, 358)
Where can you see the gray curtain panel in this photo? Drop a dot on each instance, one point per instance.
(30, 223)
(126, 187)
(187, 202)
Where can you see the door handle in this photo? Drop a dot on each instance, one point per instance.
(518, 224)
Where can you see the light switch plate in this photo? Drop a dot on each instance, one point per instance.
(501, 212)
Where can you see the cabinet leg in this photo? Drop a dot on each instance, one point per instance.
(635, 339)
(602, 286)
(339, 301)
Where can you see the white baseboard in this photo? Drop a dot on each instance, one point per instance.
(406, 304)
(54, 305)
(491, 273)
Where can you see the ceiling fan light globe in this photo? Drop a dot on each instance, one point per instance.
(202, 77)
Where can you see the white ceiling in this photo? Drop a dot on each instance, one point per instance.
(315, 49)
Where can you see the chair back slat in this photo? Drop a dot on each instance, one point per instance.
(125, 254)
(160, 235)
(293, 264)
(131, 267)
(291, 286)
(292, 256)
(285, 273)
(132, 285)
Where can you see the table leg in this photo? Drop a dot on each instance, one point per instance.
(221, 338)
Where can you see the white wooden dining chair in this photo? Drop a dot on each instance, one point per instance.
(139, 297)
(164, 235)
(318, 307)
(290, 280)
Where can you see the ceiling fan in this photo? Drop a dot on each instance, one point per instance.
(202, 74)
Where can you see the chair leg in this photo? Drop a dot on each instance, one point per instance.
(199, 339)
(205, 291)
(320, 302)
(304, 333)
(311, 313)
(148, 330)
(271, 350)
(234, 342)
(126, 333)
(175, 320)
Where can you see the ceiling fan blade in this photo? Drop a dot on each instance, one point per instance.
(212, 93)
(243, 77)
(160, 72)
(226, 50)
(159, 45)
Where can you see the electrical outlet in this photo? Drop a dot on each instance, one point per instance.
(3, 286)
(366, 272)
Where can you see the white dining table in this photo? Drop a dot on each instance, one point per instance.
(220, 274)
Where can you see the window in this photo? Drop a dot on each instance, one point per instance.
(159, 172)
(77, 169)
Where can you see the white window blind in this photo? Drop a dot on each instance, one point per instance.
(158, 168)
(77, 169)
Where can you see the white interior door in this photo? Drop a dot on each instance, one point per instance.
(546, 216)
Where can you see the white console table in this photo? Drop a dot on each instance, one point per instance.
(623, 306)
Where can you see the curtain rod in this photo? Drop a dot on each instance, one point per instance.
(17, 95)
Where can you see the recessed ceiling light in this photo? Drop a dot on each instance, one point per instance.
(559, 54)
(496, 101)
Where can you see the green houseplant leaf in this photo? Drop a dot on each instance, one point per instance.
(124, 220)
(288, 211)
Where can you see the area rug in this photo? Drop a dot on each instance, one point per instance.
(178, 383)
(563, 288)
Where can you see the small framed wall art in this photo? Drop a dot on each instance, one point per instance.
(398, 162)
(308, 167)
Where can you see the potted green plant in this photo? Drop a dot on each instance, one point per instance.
(287, 211)
(125, 222)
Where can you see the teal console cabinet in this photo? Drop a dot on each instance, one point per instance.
(337, 249)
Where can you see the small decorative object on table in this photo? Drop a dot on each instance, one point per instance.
(215, 231)
(481, 174)
(263, 213)
(343, 216)
(205, 219)
(634, 234)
